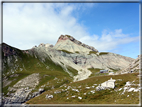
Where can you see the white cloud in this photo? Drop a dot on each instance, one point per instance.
(66, 10)
(109, 40)
(26, 25)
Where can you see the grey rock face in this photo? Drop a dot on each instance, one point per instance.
(22, 89)
(29, 81)
(20, 96)
(134, 66)
(65, 37)
(7, 50)
(82, 61)
(106, 85)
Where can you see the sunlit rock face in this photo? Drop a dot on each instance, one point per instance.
(134, 66)
(106, 85)
(66, 42)
(109, 84)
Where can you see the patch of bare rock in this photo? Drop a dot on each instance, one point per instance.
(67, 42)
(19, 93)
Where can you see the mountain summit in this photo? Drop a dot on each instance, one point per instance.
(68, 43)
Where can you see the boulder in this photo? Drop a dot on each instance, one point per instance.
(107, 84)
(41, 90)
(49, 96)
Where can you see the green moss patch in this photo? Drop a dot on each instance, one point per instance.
(92, 52)
(103, 53)
(72, 70)
(66, 51)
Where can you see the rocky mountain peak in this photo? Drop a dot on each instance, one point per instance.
(69, 40)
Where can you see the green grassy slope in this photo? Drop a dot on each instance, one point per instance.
(112, 96)
(27, 64)
(96, 72)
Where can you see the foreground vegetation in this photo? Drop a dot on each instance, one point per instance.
(83, 92)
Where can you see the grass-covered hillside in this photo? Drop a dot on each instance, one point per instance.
(84, 92)
(18, 64)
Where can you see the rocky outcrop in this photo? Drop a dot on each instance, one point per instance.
(8, 50)
(30, 81)
(134, 66)
(44, 45)
(66, 42)
(107, 84)
(21, 89)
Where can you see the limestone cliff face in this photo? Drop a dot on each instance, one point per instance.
(83, 61)
(134, 66)
(66, 42)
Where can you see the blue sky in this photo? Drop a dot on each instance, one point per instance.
(111, 27)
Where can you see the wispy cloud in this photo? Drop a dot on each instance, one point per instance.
(109, 40)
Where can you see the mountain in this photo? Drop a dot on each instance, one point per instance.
(70, 44)
(28, 73)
